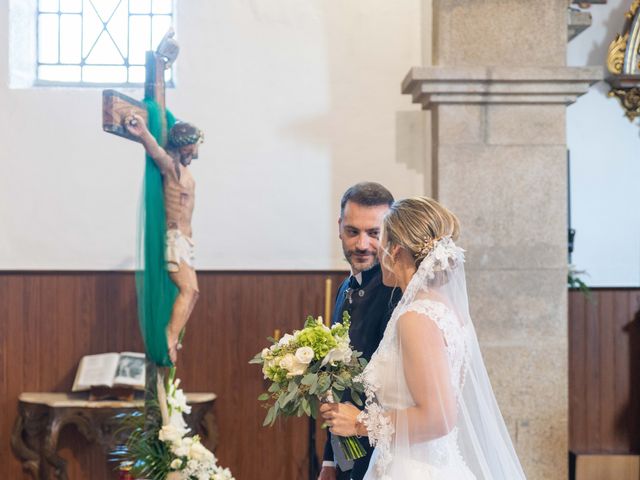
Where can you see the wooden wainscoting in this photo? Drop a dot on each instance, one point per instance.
(604, 372)
(48, 321)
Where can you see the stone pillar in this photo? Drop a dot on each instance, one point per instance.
(497, 92)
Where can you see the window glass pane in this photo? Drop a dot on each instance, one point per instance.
(95, 74)
(71, 6)
(162, 6)
(140, 6)
(105, 52)
(48, 5)
(92, 28)
(59, 73)
(118, 27)
(70, 38)
(160, 24)
(136, 74)
(104, 8)
(139, 38)
(48, 38)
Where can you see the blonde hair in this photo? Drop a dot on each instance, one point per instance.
(416, 223)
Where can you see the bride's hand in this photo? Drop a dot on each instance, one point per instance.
(342, 419)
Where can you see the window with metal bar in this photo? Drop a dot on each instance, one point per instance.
(98, 42)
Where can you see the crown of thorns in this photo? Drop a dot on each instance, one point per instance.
(183, 133)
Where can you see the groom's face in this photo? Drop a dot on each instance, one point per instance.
(359, 229)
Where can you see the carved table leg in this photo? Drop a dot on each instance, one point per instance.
(27, 453)
(26, 438)
(49, 451)
(210, 429)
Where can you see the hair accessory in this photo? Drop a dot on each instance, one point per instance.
(426, 247)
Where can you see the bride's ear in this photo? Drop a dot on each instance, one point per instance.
(395, 253)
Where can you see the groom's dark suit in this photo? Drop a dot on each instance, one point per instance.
(370, 305)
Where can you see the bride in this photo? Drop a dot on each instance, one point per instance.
(430, 410)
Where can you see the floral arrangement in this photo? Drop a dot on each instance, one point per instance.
(167, 452)
(309, 366)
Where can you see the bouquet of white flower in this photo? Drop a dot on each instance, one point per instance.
(309, 366)
(191, 459)
(167, 452)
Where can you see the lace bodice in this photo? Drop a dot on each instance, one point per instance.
(387, 390)
(388, 353)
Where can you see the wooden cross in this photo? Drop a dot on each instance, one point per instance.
(116, 107)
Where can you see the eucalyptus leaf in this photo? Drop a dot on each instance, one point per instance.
(306, 407)
(270, 418)
(264, 397)
(274, 387)
(309, 379)
(337, 395)
(323, 383)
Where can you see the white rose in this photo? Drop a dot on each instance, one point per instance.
(265, 353)
(176, 464)
(200, 453)
(305, 355)
(291, 364)
(298, 368)
(285, 340)
(171, 433)
(182, 447)
(287, 362)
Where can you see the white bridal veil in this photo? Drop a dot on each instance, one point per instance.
(430, 408)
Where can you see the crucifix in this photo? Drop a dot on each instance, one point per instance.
(166, 279)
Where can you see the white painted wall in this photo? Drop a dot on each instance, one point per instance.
(298, 100)
(605, 165)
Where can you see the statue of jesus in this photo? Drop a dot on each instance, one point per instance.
(179, 190)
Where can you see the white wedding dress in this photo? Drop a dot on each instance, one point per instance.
(458, 432)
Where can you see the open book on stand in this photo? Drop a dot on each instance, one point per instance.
(111, 374)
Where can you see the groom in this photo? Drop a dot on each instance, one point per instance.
(362, 294)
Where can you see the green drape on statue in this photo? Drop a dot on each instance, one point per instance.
(156, 291)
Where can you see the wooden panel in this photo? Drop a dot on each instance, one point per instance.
(48, 321)
(604, 372)
(605, 467)
(578, 372)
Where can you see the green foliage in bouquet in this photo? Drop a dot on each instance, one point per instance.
(309, 366)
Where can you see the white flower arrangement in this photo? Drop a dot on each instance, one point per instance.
(190, 458)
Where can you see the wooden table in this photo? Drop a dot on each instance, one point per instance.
(42, 416)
